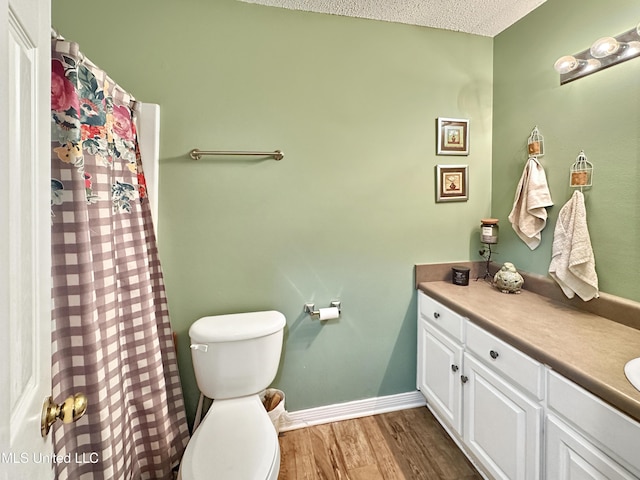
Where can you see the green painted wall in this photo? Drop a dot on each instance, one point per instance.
(345, 215)
(599, 113)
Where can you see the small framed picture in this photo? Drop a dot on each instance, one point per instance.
(453, 136)
(452, 183)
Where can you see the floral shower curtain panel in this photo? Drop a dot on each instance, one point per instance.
(112, 339)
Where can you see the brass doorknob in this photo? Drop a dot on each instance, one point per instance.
(68, 411)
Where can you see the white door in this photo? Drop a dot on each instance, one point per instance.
(502, 426)
(570, 456)
(25, 289)
(440, 367)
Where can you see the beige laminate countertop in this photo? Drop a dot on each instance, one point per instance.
(589, 349)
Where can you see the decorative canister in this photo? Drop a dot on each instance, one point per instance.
(460, 275)
(489, 230)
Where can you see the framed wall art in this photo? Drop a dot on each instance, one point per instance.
(453, 136)
(452, 183)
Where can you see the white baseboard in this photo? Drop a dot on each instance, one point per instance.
(348, 410)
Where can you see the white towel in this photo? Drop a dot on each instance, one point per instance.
(573, 265)
(528, 216)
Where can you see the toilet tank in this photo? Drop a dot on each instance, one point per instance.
(237, 354)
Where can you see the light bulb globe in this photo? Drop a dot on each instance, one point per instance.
(566, 64)
(603, 47)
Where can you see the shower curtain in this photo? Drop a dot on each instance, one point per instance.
(112, 339)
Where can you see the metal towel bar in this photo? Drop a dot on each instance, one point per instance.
(197, 154)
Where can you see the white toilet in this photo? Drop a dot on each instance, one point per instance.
(235, 358)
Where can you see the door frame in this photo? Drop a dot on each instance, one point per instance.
(25, 246)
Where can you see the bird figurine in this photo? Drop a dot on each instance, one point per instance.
(507, 279)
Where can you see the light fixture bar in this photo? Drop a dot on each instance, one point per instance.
(587, 63)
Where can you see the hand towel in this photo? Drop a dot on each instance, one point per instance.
(573, 265)
(528, 216)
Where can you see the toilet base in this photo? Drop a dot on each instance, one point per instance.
(235, 441)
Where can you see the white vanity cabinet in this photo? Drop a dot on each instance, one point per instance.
(495, 419)
(440, 360)
(514, 417)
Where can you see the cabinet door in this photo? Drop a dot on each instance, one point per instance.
(570, 456)
(502, 426)
(439, 370)
(611, 431)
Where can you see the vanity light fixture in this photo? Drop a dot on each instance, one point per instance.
(605, 52)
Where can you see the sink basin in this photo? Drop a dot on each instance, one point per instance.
(632, 371)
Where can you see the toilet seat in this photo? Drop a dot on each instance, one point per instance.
(235, 441)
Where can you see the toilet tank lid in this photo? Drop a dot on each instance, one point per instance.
(236, 326)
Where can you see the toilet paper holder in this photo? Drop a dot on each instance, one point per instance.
(310, 308)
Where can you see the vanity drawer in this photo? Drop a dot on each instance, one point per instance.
(440, 316)
(504, 358)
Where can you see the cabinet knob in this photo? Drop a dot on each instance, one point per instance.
(436, 315)
(493, 354)
(454, 368)
(464, 378)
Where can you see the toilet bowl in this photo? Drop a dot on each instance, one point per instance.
(235, 357)
(234, 441)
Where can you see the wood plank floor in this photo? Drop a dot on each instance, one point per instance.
(407, 444)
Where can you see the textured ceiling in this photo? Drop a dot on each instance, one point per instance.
(479, 17)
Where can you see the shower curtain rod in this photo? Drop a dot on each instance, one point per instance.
(55, 35)
(197, 154)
